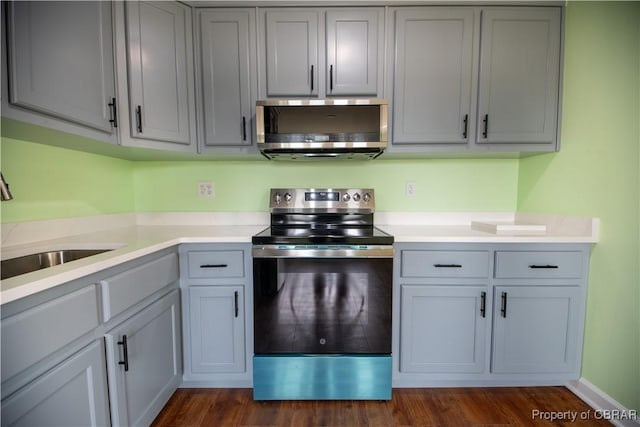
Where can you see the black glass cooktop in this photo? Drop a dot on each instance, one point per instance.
(368, 235)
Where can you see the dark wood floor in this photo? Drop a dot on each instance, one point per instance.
(522, 406)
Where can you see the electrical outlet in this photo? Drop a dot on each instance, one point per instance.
(411, 189)
(206, 189)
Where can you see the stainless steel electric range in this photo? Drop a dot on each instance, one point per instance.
(322, 298)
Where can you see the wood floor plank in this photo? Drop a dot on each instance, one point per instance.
(425, 407)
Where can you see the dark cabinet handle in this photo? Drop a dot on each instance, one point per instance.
(113, 112)
(447, 265)
(235, 299)
(125, 351)
(465, 122)
(244, 128)
(312, 78)
(331, 78)
(485, 123)
(483, 304)
(214, 266)
(139, 118)
(543, 266)
(503, 305)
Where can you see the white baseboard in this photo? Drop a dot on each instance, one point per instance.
(605, 407)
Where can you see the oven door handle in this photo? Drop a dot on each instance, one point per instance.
(322, 251)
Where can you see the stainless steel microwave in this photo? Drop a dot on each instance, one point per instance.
(298, 129)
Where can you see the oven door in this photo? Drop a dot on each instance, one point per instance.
(322, 300)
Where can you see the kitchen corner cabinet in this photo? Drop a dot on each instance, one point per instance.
(60, 352)
(144, 362)
(227, 59)
(71, 394)
(60, 67)
(217, 287)
(157, 42)
(509, 57)
(488, 314)
(311, 52)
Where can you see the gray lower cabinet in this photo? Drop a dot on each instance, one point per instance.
(144, 362)
(60, 65)
(536, 329)
(159, 59)
(73, 393)
(227, 77)
(217, 289)
(216, 326)
(477, 79)
(426, 309)
(488, 314)
(62, 347)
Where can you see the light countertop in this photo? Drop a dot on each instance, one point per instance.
(134, 235)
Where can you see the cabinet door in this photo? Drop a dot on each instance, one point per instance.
(61, 60)
(535, 329)
(158, 42)
(519, 76)
(144, 362)
(73, 393)
(217, 329)
(353, 40)
(443, 329)
(292, 52)
(227, 55)
(433, 75)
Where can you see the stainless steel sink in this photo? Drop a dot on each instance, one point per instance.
(28, 263)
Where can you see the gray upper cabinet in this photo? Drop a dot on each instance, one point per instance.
(433, 75)
(227, 76)
(60, 63)
(313, 52)
(354, 38)
(160, 73)
(292, 59)
(475, 79)
(519, 76)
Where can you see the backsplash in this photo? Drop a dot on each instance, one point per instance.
(49, 182)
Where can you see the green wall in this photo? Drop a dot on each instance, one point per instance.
(50, 182)
(596, 174)
(442, 185)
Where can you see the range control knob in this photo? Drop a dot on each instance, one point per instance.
(356, 197)
(366, 197)
(287, 197)
(277, 198)
(346, 197)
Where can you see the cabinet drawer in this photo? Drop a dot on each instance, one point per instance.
(215, 264)
(417, 263)
(132, 286)
(539, 264)
(33, 334)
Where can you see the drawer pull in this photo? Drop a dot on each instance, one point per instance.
(235, 300)
(125, 353)
(503, 305)
(447, 265)
(483, 304)
(543, 266)
(214, 266)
